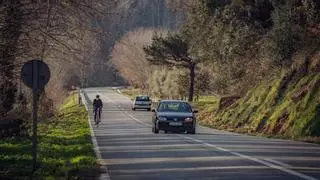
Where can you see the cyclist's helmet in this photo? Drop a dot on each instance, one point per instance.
(97, 96)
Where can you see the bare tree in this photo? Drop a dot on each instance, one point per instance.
(129, 58)
(63, 34)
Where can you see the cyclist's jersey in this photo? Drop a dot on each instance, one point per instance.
(97, 103)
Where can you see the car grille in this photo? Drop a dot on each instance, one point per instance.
(177, 118)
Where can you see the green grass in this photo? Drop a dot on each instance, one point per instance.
(64, 148)
(207, 99)
(269, 110)
(204, 102)
(130, 92)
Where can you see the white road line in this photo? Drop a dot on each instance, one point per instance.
(141, 122)
(83, 101)
(192, 169)
(295, 173)
(103, 176)
(126, 112)
(223, 149)
(277, 162)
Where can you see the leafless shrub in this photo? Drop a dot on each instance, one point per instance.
(129, 58)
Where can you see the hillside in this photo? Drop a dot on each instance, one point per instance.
(287, 106)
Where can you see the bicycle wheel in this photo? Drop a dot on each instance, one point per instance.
(99, 116)
(95, 117)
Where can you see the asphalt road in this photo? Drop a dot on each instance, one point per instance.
(131, 151)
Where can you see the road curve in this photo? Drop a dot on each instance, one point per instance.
(130, 150)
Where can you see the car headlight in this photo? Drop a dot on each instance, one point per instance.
(162, 118)
(188, 119)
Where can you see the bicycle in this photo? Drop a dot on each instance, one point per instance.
(97, 116)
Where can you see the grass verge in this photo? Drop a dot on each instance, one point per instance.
(65, 150)
(204, 103)
(130, 92)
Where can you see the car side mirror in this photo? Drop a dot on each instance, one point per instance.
(195, 111)
(153, 110)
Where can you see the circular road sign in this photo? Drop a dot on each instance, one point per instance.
(35, 74)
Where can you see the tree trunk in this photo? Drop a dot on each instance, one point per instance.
(11, 22)
(191, 81)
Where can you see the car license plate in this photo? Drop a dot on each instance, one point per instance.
(175, 124)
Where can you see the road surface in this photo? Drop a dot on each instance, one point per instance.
(130, 150)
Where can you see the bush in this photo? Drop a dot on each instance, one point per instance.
(7, 96)
(12, 127)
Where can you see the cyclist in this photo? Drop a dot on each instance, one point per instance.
(97, 107)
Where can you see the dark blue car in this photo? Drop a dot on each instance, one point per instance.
(174, 116)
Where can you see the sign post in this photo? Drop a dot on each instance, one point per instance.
(35, 74)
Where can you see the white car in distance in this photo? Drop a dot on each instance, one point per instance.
(142, 102)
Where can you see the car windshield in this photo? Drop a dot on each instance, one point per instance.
(142, 98)
(174, 107)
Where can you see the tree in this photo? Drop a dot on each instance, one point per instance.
(10, 24)
(292, 22)
(129, 59)
(64, 34)
(202, 83)
(171, 88)
(201, 86)
(172, 50)
(246, 40)
(181, 81)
